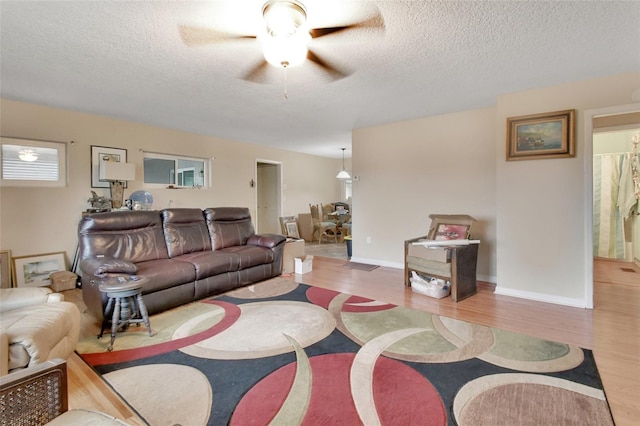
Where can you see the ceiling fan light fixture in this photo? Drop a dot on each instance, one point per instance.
(343, 173)
(284, 43)
(283, 17)
(285, 51)
(28, 155)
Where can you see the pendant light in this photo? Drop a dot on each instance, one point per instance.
(343, 173)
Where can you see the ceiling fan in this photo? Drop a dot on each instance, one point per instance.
(284, 39)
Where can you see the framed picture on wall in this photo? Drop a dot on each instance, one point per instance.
(538, 136)
(5, 269)
(34, 270)
(100, 155)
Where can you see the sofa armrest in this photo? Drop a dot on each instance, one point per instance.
(102, 267)
(266, 240)
(20, 297)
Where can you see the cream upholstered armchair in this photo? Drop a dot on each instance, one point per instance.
(35, 325)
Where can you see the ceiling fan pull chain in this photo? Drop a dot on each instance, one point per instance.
(284, 67)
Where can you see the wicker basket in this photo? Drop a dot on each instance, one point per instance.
(63, 280)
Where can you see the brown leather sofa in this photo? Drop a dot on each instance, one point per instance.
(187, 254)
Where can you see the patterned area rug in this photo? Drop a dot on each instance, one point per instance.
(285, 353)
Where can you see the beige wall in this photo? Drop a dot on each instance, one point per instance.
(409, 170)
(531, 213)
(542, 204)
(37, 220)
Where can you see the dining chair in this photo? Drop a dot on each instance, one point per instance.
(322, 228)
(327, 209)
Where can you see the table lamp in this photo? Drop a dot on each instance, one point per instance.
(117, 173)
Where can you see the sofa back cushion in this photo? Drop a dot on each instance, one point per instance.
(185, 231)
(135, 236)
(229, 226)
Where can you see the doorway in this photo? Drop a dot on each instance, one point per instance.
(268, 196)
(604, 128)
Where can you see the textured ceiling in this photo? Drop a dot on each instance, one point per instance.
(127, 60)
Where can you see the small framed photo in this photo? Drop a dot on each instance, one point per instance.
(292, 230)
(100, 155)
(34, 270)
(5, 269)
(283, 223)
(538, 136)
(446, 232)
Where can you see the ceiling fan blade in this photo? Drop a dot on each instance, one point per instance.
(375, 22)
(335, 73)
(258, 74)
(200, 36)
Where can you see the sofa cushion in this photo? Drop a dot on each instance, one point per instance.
(229, 226)
(165, 273)
(249, 256)
(210, 263)
(135, 236)
(185, 231)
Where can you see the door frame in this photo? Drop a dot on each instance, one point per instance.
(588, 171)
(278, 183)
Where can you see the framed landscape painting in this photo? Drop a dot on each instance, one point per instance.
(538, 136)
(34, 270)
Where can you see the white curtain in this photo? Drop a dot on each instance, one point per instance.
(613, 200)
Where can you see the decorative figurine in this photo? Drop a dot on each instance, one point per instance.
(99, 203)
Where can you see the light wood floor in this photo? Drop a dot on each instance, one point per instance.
(611, 329)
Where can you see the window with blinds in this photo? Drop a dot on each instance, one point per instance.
(33, 163)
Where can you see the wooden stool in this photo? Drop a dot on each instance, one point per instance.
(125, 306)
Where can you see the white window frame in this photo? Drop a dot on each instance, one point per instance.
(60, 147)
(346, 189)
(176, 171)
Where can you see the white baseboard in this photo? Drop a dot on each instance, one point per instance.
(377, 262)
(539, 297)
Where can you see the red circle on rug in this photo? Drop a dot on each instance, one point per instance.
(401, 395)
(323, 297)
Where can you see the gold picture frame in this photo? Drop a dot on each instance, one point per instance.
(34, 270)
(538, 136)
